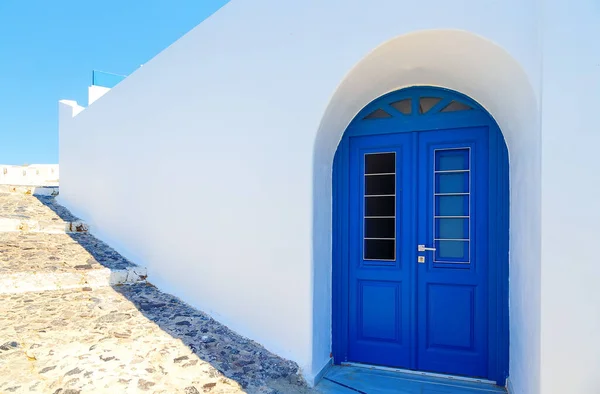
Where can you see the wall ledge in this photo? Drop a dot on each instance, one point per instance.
(68, 109)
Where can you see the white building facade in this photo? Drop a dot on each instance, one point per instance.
(29, 175)
(213, 165)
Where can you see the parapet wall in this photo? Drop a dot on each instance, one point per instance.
(29, 175)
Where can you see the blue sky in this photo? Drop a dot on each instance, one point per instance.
(48, 50)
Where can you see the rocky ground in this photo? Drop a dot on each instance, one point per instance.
(121, 339)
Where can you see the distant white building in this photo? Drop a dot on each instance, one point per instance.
(405, 184)
(29, 175)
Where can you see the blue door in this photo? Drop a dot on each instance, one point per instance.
(452, 227)
(419, 222)
(418, 268)
(381, 186)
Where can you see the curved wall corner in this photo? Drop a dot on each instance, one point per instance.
(488, 74)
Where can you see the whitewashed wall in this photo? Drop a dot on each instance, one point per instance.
(29, 175)
(571, 190)
(212, 163)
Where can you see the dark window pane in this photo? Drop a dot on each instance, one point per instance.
(380, 184)
(380, 181)
(380, 163)
(456, 106)
(380, 249)
(452, 228)
(457, 182)
(380, 206)
(403, 106)
(452, 159)
(426, 103)
(380, 228)
(377, 114)
(452, 205)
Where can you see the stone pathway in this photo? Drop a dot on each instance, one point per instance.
(39, 252)
(26, 207)
(20, 211)
(122, 339)
(32, 261)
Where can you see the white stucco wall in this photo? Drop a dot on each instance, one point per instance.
(211, 165)
(570, 181)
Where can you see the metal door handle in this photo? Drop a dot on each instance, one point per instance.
(422, 248)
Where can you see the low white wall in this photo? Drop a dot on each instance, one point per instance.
(240, 131)
(29, 175)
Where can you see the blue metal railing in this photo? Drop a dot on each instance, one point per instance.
(106, 79)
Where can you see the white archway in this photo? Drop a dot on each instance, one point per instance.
(474, 66)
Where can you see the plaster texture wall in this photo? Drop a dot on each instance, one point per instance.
(240, 134)
(29, 175)
(570, 186)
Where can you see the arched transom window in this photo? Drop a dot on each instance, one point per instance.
(417, 106)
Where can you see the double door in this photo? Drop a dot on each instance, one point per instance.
(417, 293)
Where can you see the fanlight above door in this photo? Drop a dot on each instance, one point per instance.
(417, 106)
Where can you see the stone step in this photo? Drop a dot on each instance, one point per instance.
(41, 226)
(30, 190)
(23, 282)
(36, 213)
(41, 262)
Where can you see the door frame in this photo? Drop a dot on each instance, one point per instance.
(498, 319)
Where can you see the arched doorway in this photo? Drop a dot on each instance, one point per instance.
(420, 230)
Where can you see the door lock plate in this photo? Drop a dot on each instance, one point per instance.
(421, 259)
